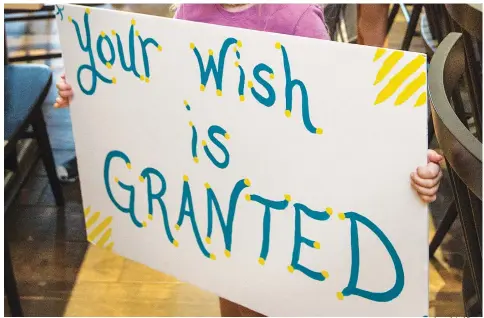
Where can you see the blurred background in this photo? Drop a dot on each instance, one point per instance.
(51, 270)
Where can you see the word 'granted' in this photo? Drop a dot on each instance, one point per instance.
(187, 212)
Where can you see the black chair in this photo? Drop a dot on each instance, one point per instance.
(43, 12)
(25, 89)
(412, 21)
(472, 72)
(463, 155)
(468, 21)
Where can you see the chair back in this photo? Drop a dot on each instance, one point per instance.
(462, 150)
(467, 19)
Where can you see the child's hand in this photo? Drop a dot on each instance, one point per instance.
(426, 180)
(65, 93)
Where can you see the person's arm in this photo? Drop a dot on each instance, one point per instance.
(311, 24)
(372, 24)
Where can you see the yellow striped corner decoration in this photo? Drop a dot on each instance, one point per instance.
(379, 53)
(98, 230)
(388, 65)
(398, 84)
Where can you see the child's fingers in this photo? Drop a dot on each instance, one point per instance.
(433, 156)
(61, 102)
(427, 183)
(63, 86)
(425, 191)
(428, 199)
(66, 94)
(430, 171)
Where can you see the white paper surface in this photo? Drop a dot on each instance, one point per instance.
(359, 165)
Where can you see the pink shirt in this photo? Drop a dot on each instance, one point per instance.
(293, 19)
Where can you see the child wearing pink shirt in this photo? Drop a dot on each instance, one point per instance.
(304, 20)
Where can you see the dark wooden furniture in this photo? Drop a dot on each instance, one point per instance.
(462, 152)
(25, 89)
(15, 12)
(28, 12)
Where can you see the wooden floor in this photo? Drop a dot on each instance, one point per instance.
(60, 274)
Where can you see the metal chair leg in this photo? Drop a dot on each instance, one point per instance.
(443, 228)
(11, 291)
(391, 17)
(412, 26)
(47, 157)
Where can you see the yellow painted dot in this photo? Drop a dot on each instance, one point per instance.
(185, 178)
(250, 84)
(202, 87)
(204, 143)
(116, 179)
(316, 245)
(325, 274)
(262, 261)
(190, 123)
(175, 243)
(213, 257)
(142, 77)
(271, 76)
(287, 113)
(247, 197)
(210, 52)
(185, 102)
(195, 159)
(239, 43)
(147, 80)
(236, 64)
(219, 92)
(192, 45)
(113, 80)
(141, 179)
(341, 216)
(144, 223)
(108, 65)
(287, 197)
(150, 217)
(290, 269)
(227, 253)
(227, 136)
(128, 165)
(88, 10)
(136, 33)
(208, 240)
(319, 131)
(340, 295)
(103, 34)
(113, 32)
(133, 22)
(69, 18)
(235, 49)
(207, 185)
(278, 45)
(247, 182)
(177, 227)
(242, 98)
(329, 211)
(160, 48)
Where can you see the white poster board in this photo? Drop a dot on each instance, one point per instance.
(280, 183)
